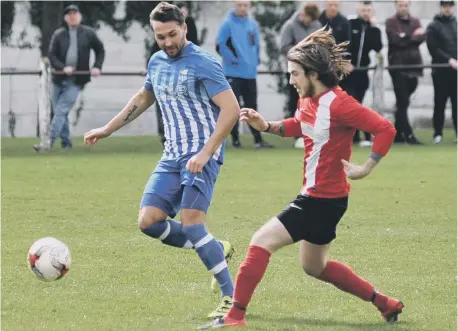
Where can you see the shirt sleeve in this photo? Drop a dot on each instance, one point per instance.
(292, 127)
(210, 72)
(352, 114)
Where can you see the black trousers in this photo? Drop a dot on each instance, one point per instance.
(403, 86)
(445, 85)
(293, 99)
(356, 85)
(246, 92)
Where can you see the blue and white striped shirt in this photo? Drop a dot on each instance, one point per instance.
(184, 87)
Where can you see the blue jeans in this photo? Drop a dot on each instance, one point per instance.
(63, 97)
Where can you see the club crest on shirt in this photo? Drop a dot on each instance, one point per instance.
(183, 75)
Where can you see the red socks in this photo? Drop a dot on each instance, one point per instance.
(340, 275)
(250, 274)
(345, 279)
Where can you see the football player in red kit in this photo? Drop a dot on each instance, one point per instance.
(326, 118)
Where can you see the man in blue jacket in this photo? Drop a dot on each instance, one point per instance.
(238, 43)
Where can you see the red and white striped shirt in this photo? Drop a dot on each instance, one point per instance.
(327, 124)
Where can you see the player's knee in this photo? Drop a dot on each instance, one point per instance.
(149, 216)
(313, 269)
(192, 217)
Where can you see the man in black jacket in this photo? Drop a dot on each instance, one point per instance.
(332, 17)
(69, 51)
(442, 45)
(365, 37)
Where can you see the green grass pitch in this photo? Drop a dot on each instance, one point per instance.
(399, 232)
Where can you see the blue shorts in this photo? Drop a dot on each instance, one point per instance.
(171, 187)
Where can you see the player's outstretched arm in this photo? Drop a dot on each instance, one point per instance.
(227, 118)
(285, 128)
(353, 114)
(140, 102)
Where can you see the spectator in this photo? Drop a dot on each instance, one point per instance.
(340, 26)
(69, 51)
(192, 36)
(238, 43)
(405, 35)
(441, 40)
(332, 17)
(365, 37)
(299, 26)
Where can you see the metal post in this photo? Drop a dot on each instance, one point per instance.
(378, 87)
(44, 103)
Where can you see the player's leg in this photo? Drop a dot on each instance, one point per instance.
(267, 240)
(323, 217)
(160, 199)
(197, 195)
(314, 262)
(279, 232)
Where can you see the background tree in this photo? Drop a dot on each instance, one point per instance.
(271, 15)
(8, 12)
(138, 11)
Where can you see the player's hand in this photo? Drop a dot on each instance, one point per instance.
(68, 70)
(197, 162)
(453, 63)
(93, 136)
(354, 171)
(253, 118)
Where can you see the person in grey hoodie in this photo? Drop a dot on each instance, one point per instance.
(298, 27)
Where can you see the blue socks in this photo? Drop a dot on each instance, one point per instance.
(211, 253)
(170, 233)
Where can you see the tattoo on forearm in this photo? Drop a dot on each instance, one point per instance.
(277, 128)
(130, 113)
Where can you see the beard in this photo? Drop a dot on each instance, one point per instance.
(309, 92)
(175, 50)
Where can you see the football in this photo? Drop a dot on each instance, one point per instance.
(49, 259)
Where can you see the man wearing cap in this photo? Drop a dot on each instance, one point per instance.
(442, 45)
(69, 51)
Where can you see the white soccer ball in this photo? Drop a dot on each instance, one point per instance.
(49, 259)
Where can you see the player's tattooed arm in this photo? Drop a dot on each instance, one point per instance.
(140, 102)
(130, 114)
(277, 128)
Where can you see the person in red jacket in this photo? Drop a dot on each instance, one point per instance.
(327, 118)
